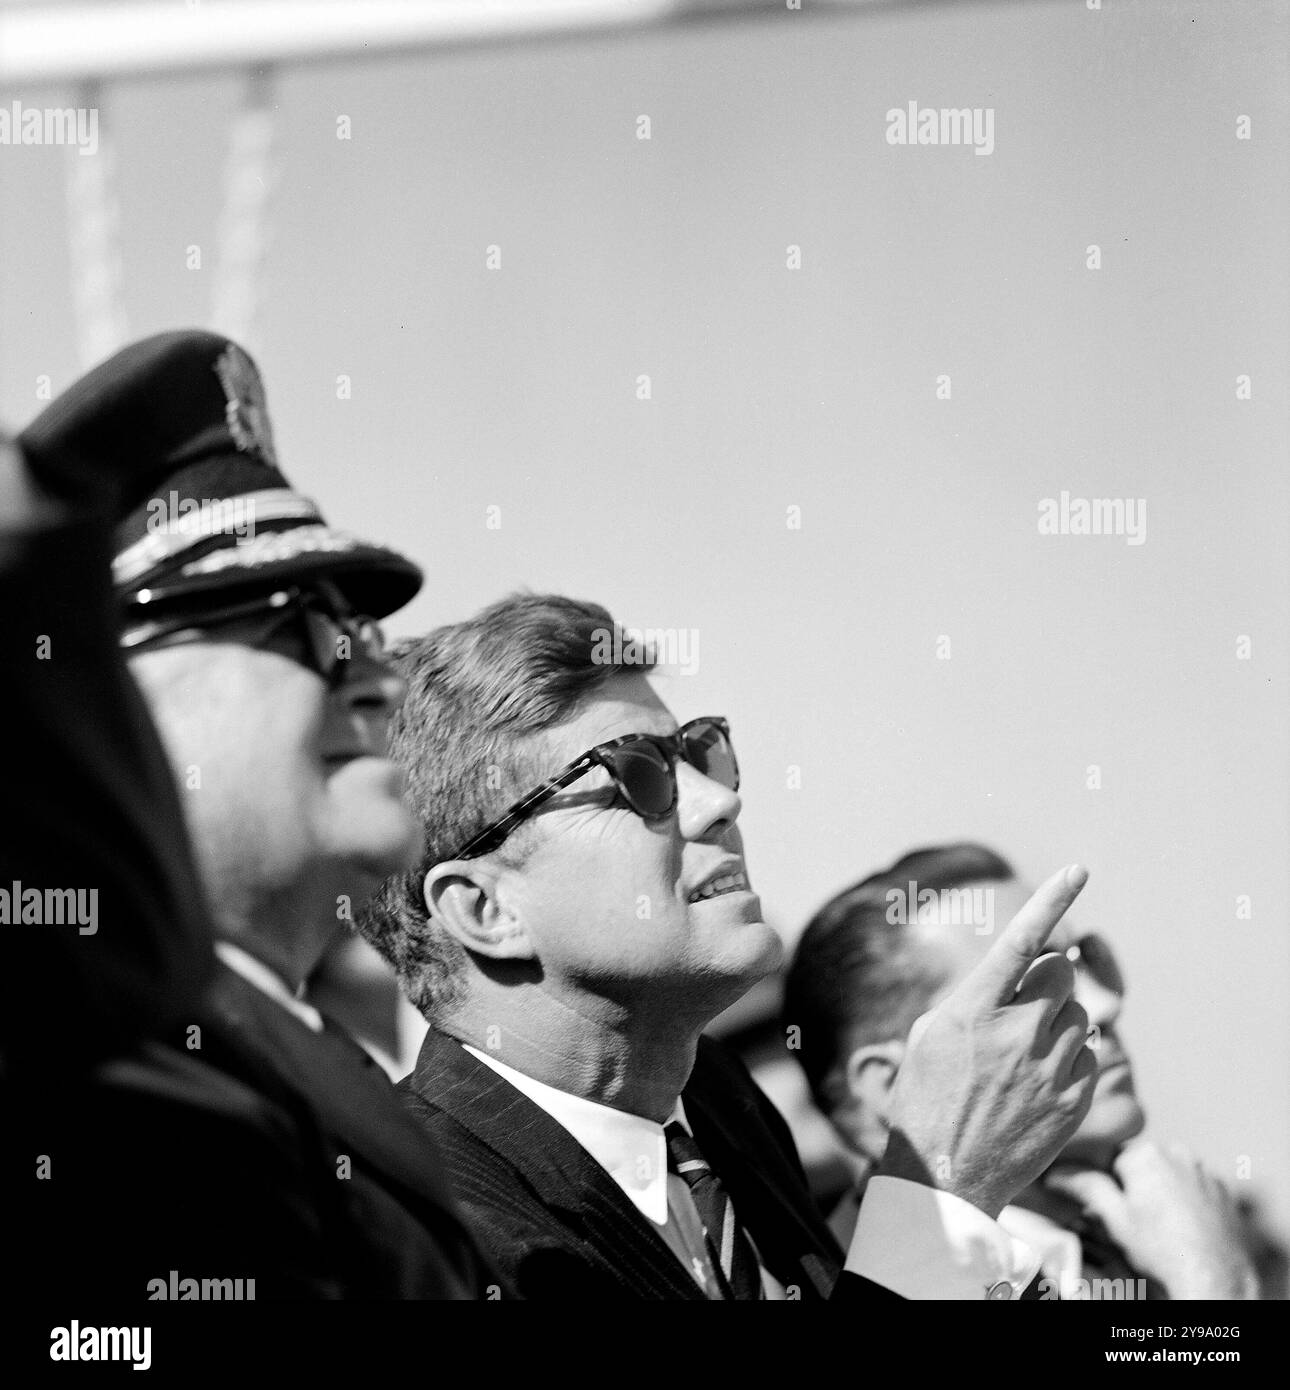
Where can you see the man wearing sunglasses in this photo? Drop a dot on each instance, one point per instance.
(1114, 1206)
(251, 1139)
(581, 912)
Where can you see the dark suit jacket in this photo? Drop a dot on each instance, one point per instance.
(389, 1224)
(88, 803)
(556, 1225)
(269, 1152)
(129, 1153)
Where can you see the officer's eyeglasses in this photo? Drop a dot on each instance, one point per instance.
(307, 625)
(643, 768)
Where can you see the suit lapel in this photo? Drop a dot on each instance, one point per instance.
(567, 1181)
(351, 1097)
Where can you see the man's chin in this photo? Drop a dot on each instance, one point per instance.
(373, 830)
(761, 955)
(366, 770)
(372, 865)
(392, 843)
(1109, 1125)
(773, 954)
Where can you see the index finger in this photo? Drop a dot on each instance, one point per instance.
(996, 977)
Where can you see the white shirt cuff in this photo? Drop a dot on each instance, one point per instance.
(923, 1243)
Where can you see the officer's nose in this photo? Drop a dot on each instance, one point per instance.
(371, 687)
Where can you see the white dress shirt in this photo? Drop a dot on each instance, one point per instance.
(1060, 1251)
(916, 1240)
(633, 1151)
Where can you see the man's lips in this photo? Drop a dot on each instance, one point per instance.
(1114, 1069)
(728, 879)
(345, 745)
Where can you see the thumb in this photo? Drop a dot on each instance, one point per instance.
(1099, 1195)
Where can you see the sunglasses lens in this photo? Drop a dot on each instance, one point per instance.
(362, 637)
(644, 776)
(1100, 962)
(324, 640)
(369, 638)
(708, 749)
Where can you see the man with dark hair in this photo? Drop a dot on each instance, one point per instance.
(580, 913)
(1115, 1206)
(236, 1136)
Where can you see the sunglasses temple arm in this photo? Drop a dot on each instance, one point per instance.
(494, 834)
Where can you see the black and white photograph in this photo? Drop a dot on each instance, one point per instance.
(646, 650)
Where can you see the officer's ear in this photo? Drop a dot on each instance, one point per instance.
(870, 1075)
(469, 899)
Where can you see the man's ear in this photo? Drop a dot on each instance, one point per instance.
(462, 897)
(871, 1073)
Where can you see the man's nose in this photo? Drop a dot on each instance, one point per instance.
(372, 687)
(704, 808)
(1101, 1003)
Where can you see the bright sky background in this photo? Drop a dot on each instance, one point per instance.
(816, 388)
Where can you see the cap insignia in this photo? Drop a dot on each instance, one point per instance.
(246, 413)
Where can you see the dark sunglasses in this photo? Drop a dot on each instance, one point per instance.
(643, 768)
(311, 622)
(1092, 953)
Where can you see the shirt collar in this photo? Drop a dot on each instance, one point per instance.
(267, 981)
(630, 1148)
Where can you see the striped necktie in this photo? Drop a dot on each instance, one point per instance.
(733, 1260)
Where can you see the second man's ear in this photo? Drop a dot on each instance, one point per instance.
(465, 898)
(871, 1073)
